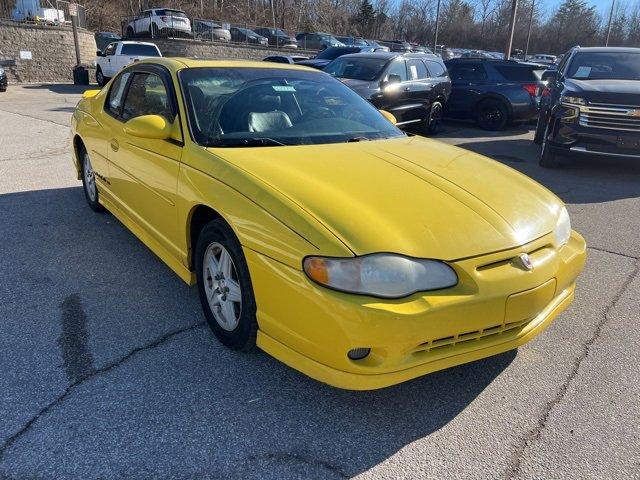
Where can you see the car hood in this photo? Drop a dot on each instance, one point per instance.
(622, 92)
(411, 195)
(315, 63)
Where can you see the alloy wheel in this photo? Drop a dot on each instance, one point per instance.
(222, 286)
(89, 178)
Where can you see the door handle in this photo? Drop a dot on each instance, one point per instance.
(114, 145)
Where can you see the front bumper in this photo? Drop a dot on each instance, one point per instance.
(580, 139)
(496, 307)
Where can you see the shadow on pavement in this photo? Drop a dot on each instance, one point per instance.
(62, 88)
(188, 406)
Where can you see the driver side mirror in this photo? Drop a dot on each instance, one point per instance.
(149, 126)
(391, 79)
(550, 75)
(99, 53)
(389, 116)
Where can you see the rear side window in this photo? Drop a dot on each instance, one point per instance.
(147, 95)
(399, 68)
(515, 73)
(472, 72)
(137, 50)
(417, 70)
(436, 68)
(116, 94)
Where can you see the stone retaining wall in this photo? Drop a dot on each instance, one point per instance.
(51, 49)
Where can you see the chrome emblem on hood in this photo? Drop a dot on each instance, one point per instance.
(524, 261)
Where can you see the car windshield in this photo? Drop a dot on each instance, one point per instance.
(356, 68)
(243, 107)
(280, 33)
(171, 13)
(334, 52)
(605, 66)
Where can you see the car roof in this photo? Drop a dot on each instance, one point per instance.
(390, 55)
(176, 63)
(134, 42)
(609, 49)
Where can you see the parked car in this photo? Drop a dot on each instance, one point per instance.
(493, 92)
(118, 55)
(353, 41)
(277, 37)
(105, 38)
(413, 87)
(396, 45)
(591, 105)
(3, 80)
(210, 30)
(326, 56)
(543, 58)
(159, 22)
(290, 59)
(244, 35)
(317, 41)
(312, 228)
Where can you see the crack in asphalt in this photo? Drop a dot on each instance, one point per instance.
(534, 434)
(35, 118)
(108, 367)
(283, 457)
(604, 250)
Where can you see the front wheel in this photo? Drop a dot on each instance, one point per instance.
(548, 156)
(101, 80)
(433, 124)
(89, 183)
(224, 286)
(540, 128)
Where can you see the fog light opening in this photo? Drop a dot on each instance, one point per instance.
(358, 353)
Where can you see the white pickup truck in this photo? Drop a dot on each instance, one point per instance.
(118, 55)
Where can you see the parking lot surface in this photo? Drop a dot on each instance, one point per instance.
(108, 371)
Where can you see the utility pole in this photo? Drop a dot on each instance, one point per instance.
(613, 4)
(512, 27)
(533, 6)
(435, 38)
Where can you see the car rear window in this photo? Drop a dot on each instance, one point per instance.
(516, 73)
(139, 50)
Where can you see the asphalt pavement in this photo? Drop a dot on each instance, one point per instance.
(107, 371)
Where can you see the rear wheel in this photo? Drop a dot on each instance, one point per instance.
(224, 286)
(434, 119)
(491, 114)
(130, 32)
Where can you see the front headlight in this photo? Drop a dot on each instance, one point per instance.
(571, 100)
(562, 231)
(380, 274)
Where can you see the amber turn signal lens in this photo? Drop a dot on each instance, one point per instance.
(316, 268)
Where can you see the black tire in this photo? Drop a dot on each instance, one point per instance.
(548, 154)
(433, 124)
(130, 32)
(89, 185)
(243, 336)
(540, 127)
(491, 114)
(101, 80)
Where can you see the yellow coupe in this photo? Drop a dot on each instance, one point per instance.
(317, 230)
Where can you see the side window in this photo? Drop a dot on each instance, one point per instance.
(417, 70)
(111, 49)
(468, 73)
(563, 64)
(116, 94)
(399, 68)
(436, 69)
(146, 96)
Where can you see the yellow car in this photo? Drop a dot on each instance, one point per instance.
(317, 230)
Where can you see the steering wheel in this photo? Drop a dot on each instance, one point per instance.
(317, 113)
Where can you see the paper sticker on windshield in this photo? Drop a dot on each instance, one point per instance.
(582, 72)
(284, 88)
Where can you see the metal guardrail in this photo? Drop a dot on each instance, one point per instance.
(44, 12)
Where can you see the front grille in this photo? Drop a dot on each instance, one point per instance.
(615, 117)
(506, 329)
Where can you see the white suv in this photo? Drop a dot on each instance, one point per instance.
(118, 55)
(161, 22)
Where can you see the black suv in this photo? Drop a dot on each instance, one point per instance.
(325, 57)
(413, 87)
(591, 105)
(494, 92)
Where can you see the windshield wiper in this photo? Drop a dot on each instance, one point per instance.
(248, 142)
(358, 139)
